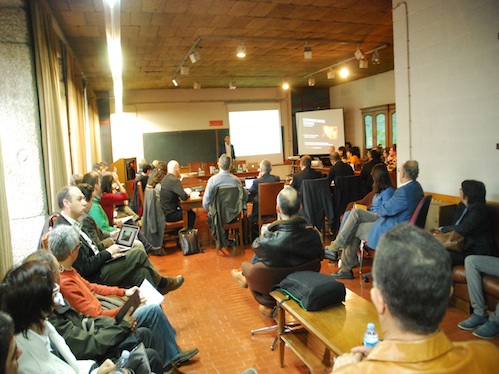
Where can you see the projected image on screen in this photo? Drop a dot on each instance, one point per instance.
(318, 130)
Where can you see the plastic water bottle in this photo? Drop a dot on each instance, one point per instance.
(120, 364)
(370, 336)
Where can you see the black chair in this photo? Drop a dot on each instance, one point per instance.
(346, 189)
(317, 203)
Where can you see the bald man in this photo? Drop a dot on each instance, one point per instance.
(172, 192)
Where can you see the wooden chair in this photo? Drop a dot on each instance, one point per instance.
(171, 231)
(267, 196)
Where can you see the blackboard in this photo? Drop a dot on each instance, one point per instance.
(183, 146)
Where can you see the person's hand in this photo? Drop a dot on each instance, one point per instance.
(130, 291)
(188, 190)
(118, 223)
(130, 319)
(114, 250)
(357, 355)
(107, 367)
(114, 234)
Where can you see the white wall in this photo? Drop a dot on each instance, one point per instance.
(447, 91)
(362, 93)
(147, 111)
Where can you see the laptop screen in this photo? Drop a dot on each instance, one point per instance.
(127, 235)
(248, 182)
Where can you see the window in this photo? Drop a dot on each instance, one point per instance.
(384, 128)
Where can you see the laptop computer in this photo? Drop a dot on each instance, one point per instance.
(248, 182)
(127, 236)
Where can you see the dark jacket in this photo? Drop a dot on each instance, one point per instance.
(307, 173)
(253, 191)
(365, 174)
(340, 169)
(476, 229)
(288, 243)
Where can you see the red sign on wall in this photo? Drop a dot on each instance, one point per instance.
(217, 122)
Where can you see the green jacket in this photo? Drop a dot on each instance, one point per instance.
(100, 216)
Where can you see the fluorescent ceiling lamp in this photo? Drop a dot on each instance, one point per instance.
(175, 82)
(241, 50)
(195, 56)
(307, 52)
(112, 13)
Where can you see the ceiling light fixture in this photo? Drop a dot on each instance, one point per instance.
(285, 86)
(197, 85)
(194, 56)
(307, 51)
(375, 58)
(241, 50)
(175, 82)
(359, 55)
(184, 70)
(344, 72)
(311, 81)
(331, 74)
(364, 63)
(232, 85)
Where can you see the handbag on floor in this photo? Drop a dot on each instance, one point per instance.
(188, 239)
(451, 240)
(312, 290)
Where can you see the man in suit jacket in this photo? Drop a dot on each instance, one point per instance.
(93, 263)
(339, 168)
(227, 148)
(263, 177)
(364, 225)
(306, 173)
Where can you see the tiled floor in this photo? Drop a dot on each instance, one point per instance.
(213, 313)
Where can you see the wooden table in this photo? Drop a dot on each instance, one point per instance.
(325, 333)
(243, 175)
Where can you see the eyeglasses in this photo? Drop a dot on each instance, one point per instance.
(56, 289)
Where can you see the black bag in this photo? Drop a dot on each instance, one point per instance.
(313, 291)
(188, 239)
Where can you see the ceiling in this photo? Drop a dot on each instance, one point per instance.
(157, 36)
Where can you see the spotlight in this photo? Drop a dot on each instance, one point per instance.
(195, 56)
(232, 85)
(175, 82)
(375, 58)
(241, 50)
(285, 86)
(359, 55)
(184, 70)
(307, 52)
(344, 72)
(363, 64)
(331, 74)
(197, 85)
(311, 81)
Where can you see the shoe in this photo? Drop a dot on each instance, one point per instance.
(333, 247)
(155, 251)
(267, 312)
(239, 277)
(343, 274)
(488, 330)
(185, 356)
(170, 369)
(473, 322)
(331, 255)
(172, 285)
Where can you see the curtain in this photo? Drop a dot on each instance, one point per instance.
(46, 49)
(5, 242)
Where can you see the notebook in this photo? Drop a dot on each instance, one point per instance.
(127, 236)
(248, 182)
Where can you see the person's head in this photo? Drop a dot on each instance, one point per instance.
(342, 151)
(227, 139)
(27, 295)
(265, 166)
(332, 149)
(9, 352)
(386, 151)
(409, 170)
(88, 191)
(174, 168)
(393, 150)
(64, 243)
(93, 179)
(373, 154)
(154, 163)
(146, 169)
(334, 157)
(349, 153)
(75, 179)
(305, 162)
(288, 202)
(47, 258)
(159, 174)
(96, 167)
(381, 178)
(473, 191)
(412, 278)
(104, 166)
(224, 162)
(355, 151)
(348, 145)
(71, 201)
(106, 182)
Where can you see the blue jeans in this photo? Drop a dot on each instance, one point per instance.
(153, 317)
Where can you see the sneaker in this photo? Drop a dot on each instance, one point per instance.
(488, 330)
(239, 277)
(473, 322)
(341, 274)
(172, 285)
(331, 255)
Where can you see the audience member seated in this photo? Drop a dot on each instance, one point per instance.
(365, 175)
(471, 221)
(75, 180)
(412, 287)
(64, 244)
(364, 225)
(338, 168)
(391, 158)
(9, 351)
(484, 326)
(27, 295)
(95, 338)
(94, 264)
(383, 191)
(353, 156)
(113, 194)
(264, 176)
(171, 193)
(287, 242)
(306, 173)
(153, 218)
(342, 151)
